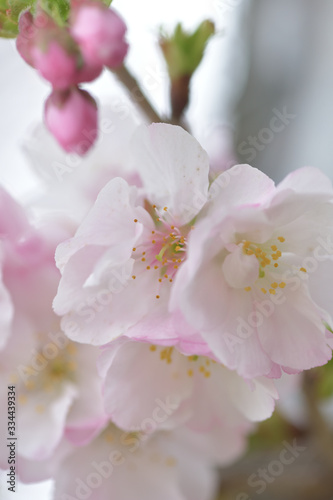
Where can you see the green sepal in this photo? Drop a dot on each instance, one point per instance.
(10, 11)
(8, 28)
(58, 10)
(184, 51)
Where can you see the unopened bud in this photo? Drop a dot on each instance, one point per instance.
(71, 117)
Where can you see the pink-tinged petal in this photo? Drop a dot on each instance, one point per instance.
(221, 314)
(307, 180)
(255, 399)
(47, 414)
(240, 185)
(320, 282)
(301, 192)
(87, 415)
(103, 313)
(80, 436)
(294, 335)
(13, 223)
(166, 328)
(240, 270)
(74, 276)
(34, 471)
(158, 398)
(226, 399)
(207, 445)
(125, 471)
(199, 481)
(174, 169)
(110, 222)
(6, 314)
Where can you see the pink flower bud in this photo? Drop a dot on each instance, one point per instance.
(100, 32)
(71, 116)
(56, 57)
(55, 65)
(88, 73)
(24, 40)
(53, 52)
(29, 27)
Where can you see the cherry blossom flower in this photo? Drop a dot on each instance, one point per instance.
(244, 285)
(171, 465)
(57, 385)
(173, 387)
(58, 392)
(119, 267)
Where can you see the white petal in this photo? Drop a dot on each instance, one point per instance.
(174, 169)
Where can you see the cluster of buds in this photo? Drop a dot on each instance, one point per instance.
(67, 56)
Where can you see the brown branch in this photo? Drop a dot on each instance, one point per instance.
(132, 85)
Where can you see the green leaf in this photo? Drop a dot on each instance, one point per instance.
(184, 51)
(10, 11)
(8, 28)
(57, 9)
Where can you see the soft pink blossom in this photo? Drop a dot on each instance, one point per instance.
(168, 465)
(71, 116)
(100, 32)
(244, 285)
(199, 391)
(55, 63)
(118, 270)
(57, 386)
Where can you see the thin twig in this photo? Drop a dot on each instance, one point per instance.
(132, 85)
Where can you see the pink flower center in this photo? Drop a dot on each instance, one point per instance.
(164, 251)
